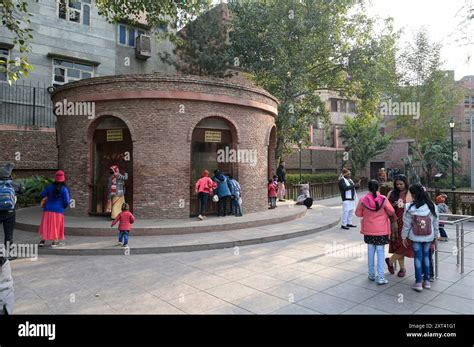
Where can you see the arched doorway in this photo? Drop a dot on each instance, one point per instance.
(210, 136)
(111, 145)
(271, 152)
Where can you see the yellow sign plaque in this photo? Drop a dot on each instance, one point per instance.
(114, 135)
(212, 136)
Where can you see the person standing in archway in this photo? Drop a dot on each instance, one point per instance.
(116, 197)
(222, 191)
(204, 187)
(281, 173)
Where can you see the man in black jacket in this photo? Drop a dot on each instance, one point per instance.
(348, 195)
(281, 173)
(7, 214)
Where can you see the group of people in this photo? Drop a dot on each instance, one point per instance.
(406, 219)
(221, 188)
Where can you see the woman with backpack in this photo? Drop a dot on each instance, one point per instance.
(420, 225)
(375, 210)
(55, 200)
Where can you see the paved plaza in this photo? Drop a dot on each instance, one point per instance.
(321, 273)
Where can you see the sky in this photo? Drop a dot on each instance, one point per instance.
(441, 18)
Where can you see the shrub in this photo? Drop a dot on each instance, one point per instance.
(33, 187)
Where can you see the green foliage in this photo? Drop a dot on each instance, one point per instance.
(423, 81)
(311, 178)
(363, 140)
(156, 12)
(33, 187)
(202, 47)
(295, 48)
(16, 19)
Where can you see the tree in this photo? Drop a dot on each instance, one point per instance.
(293, 49)
(364, 141)
(437, 94)
(202, 47)
(16, 18)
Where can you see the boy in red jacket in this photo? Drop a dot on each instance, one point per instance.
(125, 219)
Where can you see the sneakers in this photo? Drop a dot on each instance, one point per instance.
(59, 244)
(427, 285)
(41, 243)
(125, 246)
(390, 267)
(119, 244)
(371, 278)
(443, 239)
(344, 227)
(417, 287)
(201, 217)
(352, 226)
(432, 279)
(382, 281)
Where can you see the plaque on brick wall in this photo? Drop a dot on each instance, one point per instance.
(212, 136)
(114, 135)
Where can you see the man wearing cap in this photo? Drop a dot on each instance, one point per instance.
(348, 195)
(8, 197)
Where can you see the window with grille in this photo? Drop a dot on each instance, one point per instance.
(65, 71)
(78, 11)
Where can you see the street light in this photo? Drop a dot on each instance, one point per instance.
(300, 143)
(451, 126)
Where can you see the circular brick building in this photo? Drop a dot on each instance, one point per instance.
(163, 131)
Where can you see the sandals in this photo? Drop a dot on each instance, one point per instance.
(390, 267)
(402, 273)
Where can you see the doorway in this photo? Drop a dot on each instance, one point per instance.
(209, 136)
(112, 145)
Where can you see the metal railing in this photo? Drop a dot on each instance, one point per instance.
(26, 103)
(459, 201)
(319, 191)
(458, 221)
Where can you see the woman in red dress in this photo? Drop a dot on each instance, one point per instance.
(398, 197)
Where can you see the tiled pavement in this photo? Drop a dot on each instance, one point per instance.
(296, 276)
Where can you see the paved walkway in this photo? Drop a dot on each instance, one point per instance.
(322, 273)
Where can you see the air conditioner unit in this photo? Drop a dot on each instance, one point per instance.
(143, 47)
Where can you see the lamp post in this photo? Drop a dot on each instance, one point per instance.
(451, 126)
(300, 143)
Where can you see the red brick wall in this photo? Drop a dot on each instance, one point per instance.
(161, 135)
(36, 147)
